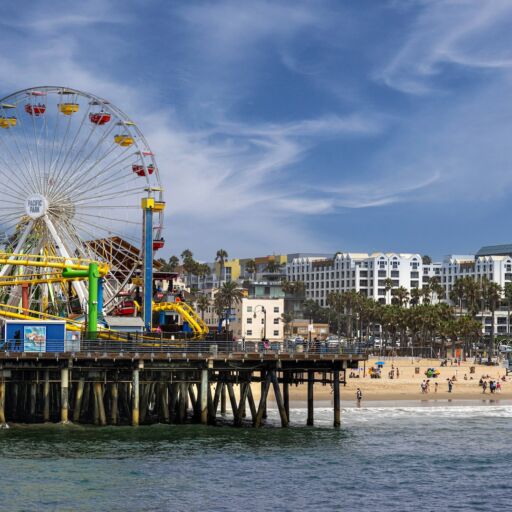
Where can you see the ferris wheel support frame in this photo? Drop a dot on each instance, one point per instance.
(148, 205)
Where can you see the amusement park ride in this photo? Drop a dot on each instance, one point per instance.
(75, 173)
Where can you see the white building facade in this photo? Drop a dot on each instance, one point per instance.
(259, 317)
(363, 273)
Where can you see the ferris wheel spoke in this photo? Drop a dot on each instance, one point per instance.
(19, 168)
(101, 229)
(63, 167)
(118, 183)
(31, 160)
(126, 174)
(102, 217)
(110, 195)
(78, 170)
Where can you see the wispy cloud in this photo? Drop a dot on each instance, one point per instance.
(460, 32)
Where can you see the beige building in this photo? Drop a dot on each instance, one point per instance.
(259, 317)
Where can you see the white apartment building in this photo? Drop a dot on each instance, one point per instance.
(497, 269)
(258, 317)
(364, 273)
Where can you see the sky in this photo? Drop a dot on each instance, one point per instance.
(297, 126)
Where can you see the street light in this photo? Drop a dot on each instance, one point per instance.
(264, 311)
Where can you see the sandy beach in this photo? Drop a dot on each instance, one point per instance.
(408, 385)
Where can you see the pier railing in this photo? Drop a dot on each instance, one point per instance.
(165, 346)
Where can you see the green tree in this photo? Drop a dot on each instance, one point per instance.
(229, 295)
(426, 259)
(221, 257)
(287, 319)
(507, 292)
(336, 301)
(492, 296)
(251, 267)
(203, 302)
(400, 295)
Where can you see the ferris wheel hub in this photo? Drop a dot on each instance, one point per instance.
(36, 206)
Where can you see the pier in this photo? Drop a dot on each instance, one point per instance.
(128, 383)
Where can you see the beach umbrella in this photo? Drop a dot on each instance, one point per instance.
(380, 363)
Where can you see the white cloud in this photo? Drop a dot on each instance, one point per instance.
(462, 32)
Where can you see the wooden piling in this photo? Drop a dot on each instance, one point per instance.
(135, 397)
(263, 375)
(78, 400)
(336, 396)
(223, 401)
(279, 399)
(263, 401)
(244, 390)
(311, 404)
(2, 402)
(252, 405)
(64, 394)
(163, 395)
(98, 395)
(33, 401)
(232, 399)
(204, 397)
(286, 395)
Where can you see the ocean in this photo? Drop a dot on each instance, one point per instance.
(385, 457)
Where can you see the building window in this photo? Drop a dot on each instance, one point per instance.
(249, 309)
(249, 333)
(276, 309)
(263, 320)
(276, 333)
(249, 320)
(276, 320)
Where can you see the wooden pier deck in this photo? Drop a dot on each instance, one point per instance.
(173, 383)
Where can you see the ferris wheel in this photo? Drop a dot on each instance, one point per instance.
(73, 170)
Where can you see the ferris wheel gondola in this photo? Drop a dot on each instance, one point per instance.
(69, 186)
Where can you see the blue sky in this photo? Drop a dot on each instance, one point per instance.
(284, 126)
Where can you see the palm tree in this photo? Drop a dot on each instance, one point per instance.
(336, 301)
(203, 302)
(415, 296)
(425, 291)
(251, 267)
(186, 254)
(507, 291)
(221, 257)
(492, 297)
(457, 293)
(273, 267)
(287, 319)
(388, 284)
(230, 294)
(436, 289)
(426, 259)
(400, 295)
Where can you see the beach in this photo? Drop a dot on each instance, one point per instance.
(408, 384)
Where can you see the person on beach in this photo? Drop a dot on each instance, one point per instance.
(498, 387)
(359, 396)
(397, 373)
(450, 385)
(484, 386)
(436, 386)
(423, 387)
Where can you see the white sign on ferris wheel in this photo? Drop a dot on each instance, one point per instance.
(36, 206)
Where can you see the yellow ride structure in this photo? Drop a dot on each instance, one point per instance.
(186, 312)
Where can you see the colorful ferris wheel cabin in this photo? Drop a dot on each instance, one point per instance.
(68, 109)
(124, 140)
(35, 110)
(99, 118)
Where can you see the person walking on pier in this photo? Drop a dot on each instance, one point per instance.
(359, 396)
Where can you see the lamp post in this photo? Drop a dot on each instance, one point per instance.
(264, 311)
